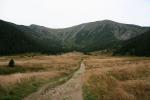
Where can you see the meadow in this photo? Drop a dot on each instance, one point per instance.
(106, 77)
(117, 78)
(31, 72)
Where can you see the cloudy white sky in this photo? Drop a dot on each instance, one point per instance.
(65, 13)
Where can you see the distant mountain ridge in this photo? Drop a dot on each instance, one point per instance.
(86, 37)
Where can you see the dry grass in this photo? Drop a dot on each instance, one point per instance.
(65, 61)
(52, 67)
(10, 80)
(117, 78)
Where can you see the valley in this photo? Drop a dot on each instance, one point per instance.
(74, 76)
(74, 49)
(102, 60)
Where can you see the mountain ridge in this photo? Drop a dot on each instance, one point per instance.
(86, 37)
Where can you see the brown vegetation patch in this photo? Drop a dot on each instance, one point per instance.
(117, 78)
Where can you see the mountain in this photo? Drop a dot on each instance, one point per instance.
(93, 36)
(99, 35)
(23, 39)
(139, 46)
(86, 37)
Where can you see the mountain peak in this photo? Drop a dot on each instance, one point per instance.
(32, 25)
(108, 21)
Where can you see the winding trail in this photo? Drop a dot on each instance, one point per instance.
(70, 90)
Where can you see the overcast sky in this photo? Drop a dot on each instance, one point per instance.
(66, 13)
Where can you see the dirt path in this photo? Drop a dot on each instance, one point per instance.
(71, 90)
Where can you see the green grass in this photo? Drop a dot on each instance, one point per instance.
(5, 70)
(133, 58)
(88, 95)
(21, 90)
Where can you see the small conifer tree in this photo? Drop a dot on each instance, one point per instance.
(11, 63)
